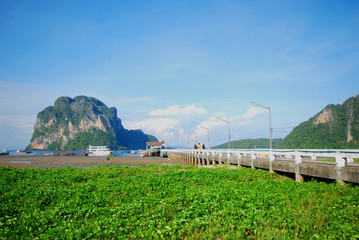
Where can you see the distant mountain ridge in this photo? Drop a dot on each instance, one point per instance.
(335, 127)
(82, 121)
(251, 143)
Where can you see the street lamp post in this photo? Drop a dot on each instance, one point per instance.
(229, 131)
(196, 136)
(270, 123)
(207, 134)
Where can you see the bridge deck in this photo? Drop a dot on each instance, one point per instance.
(344, 169)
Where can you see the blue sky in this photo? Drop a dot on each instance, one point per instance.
(171, 66)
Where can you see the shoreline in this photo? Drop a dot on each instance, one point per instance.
(36, 161)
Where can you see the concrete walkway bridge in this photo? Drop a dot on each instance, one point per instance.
(334, 164)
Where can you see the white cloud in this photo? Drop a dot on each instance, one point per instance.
(236, 120)
(180, 124)
(16, 130)
(252, 112)
(169, 122)
(181, 132)
(193, 109)
(156, 126)
(24, 122)
(175, 110)
(210, 123)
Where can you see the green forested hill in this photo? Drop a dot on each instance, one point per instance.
(251, 143)
(336, 126)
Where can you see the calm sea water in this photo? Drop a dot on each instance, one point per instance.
(125, 153)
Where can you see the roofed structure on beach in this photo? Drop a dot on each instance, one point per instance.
(150, 145)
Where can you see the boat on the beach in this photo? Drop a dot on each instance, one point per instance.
(99, 151)
(67, 154)
(62, 154)
(143, 153)
(4, 152)
(23, 152)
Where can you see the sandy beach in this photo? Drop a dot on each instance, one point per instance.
(35, 161)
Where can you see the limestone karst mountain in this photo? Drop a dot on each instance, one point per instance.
(76, 123)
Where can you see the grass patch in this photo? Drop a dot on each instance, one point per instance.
(356, 160)
(171, 202)
(327, 160)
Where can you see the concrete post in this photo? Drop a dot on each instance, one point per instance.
(240, 156)
(228, 156)
(298, 161)
(271, 159)
(340, 163)
(253, 156)
(298, 158)
(340, 160)
(350, 159)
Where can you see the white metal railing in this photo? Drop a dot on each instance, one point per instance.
(341, 156)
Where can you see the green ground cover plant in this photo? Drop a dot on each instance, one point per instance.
(356, 160)
(171, 202)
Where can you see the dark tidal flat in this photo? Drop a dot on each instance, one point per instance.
(35, 161)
